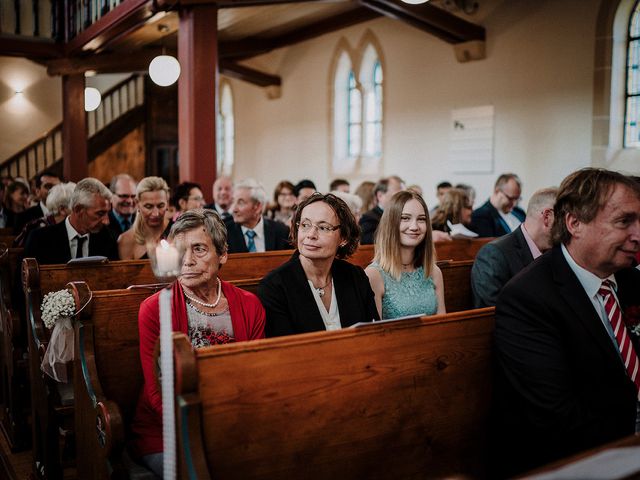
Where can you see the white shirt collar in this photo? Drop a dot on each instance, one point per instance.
(259, 229)
(589, 281)
(71, 232)
(44, 208)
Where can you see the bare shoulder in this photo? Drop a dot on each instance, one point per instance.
(375, 279)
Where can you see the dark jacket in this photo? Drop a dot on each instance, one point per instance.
(369, 224)
(560, 386)
(487, 222)
(276, 236)
(114, 225)
(30, 214)
(495, 264)
(291, 308)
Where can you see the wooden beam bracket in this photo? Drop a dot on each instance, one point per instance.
(248, 74)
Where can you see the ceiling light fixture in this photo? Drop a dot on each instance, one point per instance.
(164, 69)
(92, 99)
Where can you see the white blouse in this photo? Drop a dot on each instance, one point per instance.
(331, 318)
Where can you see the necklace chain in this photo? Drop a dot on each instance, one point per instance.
(320, 290)
(208, 305)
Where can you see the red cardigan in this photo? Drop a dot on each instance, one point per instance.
(247, 318)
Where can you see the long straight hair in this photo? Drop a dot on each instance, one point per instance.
(387, 244)
(146, 185)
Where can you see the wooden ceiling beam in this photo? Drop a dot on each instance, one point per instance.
(105, 62)
(247, 74)
(32, 49)
(252, 46)
(170, 4)
(431, 19)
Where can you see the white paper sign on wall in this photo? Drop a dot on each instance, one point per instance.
(471, 146)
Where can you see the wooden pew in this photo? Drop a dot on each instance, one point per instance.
(460, 249)
(390, 400)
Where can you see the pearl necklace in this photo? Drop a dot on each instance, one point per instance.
(207, 305)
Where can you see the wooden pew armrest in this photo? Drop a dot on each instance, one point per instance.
(110, 428)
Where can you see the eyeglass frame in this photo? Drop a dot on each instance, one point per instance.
(509, 197)
(325, 229)
(124, 196)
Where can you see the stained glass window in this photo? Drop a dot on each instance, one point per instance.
(354, 114)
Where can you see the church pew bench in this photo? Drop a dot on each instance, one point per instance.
(460, 248)
(407, 399)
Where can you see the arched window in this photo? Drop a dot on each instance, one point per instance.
(632, 104)
(225, 131)
(358, 112)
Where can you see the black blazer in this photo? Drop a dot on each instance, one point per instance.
(495, 264)
(276, 236)
(487, 222)
(369, 224)
(560, 385)
(291, 308)
(114, 225)
(25, 217)
(50, 245)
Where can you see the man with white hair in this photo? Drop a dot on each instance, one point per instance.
(83, 232)
(249, 231)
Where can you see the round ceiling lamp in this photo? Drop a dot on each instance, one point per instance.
(92, 99)
(164, 70)
(415, 2)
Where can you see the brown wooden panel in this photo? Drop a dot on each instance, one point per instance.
(460, 249)
(403, 400)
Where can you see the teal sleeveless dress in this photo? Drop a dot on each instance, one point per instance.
(413, 294)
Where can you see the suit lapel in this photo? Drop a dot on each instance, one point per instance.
(576, 298)
(522, 248)
(298, 285)
(238, 238)
(64, 241)
(269, 236)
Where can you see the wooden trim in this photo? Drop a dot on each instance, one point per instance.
(118, 22)
(433, 20)
(247, 74)
(115, 131)
(33, 49)
(74, 129)
(105, 62)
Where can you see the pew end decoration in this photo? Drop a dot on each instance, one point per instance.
(58, 310)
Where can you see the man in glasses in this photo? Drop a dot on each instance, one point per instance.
(500, 214)
(44, 182)
(123, 201)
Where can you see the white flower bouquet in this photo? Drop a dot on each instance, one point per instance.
(57, 309)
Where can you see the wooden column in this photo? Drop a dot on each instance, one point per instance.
(74, 129)
(198, 95)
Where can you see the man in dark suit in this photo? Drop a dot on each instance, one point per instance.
(382, 192)
(497, 262)
(249, 231)
(222, 197)
(83, 233)
(500, 214)
(123, 201)
(561, 385)
(44, 182)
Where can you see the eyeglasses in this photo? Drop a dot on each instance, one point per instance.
(124, 196)
(196, 199)
(510, 198)
(323, 228)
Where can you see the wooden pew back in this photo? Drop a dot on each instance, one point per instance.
(460, 249)
(402, 400)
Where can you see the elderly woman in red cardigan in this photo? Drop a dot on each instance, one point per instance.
(207, 309)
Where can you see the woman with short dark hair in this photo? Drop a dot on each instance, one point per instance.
(316, 289)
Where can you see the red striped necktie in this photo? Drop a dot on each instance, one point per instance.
(627, 352)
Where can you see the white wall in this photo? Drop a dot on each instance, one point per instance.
(538, 74)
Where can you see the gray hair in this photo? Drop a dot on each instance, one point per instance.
(116, 178)
(541, 199)
(258, 193)
(207, 219)
(354, 202)
(60, 196)
(86, 189)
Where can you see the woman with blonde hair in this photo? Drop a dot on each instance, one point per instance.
(404, 276)
(455, 208)
(151, 224)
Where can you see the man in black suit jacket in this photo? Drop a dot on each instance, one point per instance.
(123, 202)
(383, 191)
(561, 385)
(499, 215)
(249, 231)
(86, 225)
(44, 182)
(499, 261)
(222, 197)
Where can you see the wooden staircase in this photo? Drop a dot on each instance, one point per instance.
(122, 108)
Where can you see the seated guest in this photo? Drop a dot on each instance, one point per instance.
(303, 190)
(365, 192)
(58, 201)
(339, 184)
(500, 214)
(123, 211)
(469, 190)
(16, 201)
(383, 191)
(454, 207)
(43, 183)
(82, 234)
(207, 309)
(497, 262)
(250, 231)
(187, 196)
(567, 373)
(284, 201)
(316, 289)
(404, 276)
(150, 224)
(353, 201)
(441, 189)
(222, 197)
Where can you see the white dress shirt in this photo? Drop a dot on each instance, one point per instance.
(259, 238)
(331, 318)
(72, 235)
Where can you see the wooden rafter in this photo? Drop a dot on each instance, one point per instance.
(250, 47)
(430, 19)
(30, 48)
(247, 74)
(105, 62)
